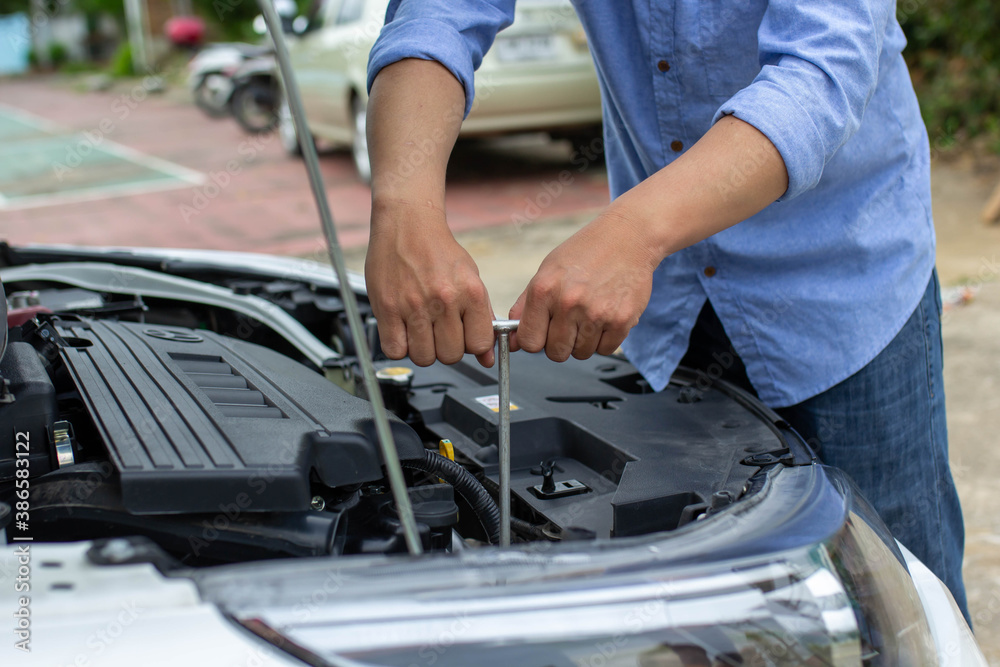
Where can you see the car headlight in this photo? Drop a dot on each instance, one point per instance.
(804, 575)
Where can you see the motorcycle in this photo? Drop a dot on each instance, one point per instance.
(216, 73)
(210, 75)
(256, 94)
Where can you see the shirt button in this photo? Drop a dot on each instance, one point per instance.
(709, 271)
(663, 66)
(676, 146)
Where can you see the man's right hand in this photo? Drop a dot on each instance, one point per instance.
(425, 288)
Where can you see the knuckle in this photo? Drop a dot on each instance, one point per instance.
(419, 327)
(447, 297)
(540, 290)
(435, 308)
(619, 320)
(567, 303)
(476, 290)
(383, 306)
(589, 328)
(411, 302)
(574, 298)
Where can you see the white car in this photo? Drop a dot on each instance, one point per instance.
(538, 75)
(200, 488)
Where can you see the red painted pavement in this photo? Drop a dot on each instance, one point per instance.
(267, 206)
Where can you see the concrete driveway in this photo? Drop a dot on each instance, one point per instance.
(134, 167)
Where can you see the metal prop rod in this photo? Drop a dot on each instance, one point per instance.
(388, 447)
(503, 329)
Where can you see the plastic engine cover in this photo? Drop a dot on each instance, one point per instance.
(625, 461)
(191, 419)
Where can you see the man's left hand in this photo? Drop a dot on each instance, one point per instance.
(588, 293)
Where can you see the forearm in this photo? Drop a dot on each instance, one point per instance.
(731, 174)
(424, 287)
(414, 115)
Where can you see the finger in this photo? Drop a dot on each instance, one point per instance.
(486, 359)
(588, 337)
(420, 340)
(449, 340)
(534, 326)
(392, 337)
(479, 336)
(610, 341)
(561, 338)
(515, 314)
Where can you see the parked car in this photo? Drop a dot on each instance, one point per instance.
(538, 76)
(201, 485)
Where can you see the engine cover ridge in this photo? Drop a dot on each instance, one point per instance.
(191, 419)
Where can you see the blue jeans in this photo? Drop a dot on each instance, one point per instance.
(884, 426)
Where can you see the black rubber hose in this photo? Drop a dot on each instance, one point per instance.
(466, 485)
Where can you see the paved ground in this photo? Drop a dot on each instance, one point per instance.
(252, 197)
(266, 207)
(972, 385)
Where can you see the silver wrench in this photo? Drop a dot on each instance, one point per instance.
(503, 329)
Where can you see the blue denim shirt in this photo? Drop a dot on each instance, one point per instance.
(815, 286)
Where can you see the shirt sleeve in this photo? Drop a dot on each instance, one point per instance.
(455, 33)
(819, 69)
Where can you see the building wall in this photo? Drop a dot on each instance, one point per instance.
(15, 41)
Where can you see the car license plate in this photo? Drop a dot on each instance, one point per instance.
(525, 48)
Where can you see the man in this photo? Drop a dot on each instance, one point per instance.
(770, 220)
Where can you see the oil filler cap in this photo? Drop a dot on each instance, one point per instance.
(434, 505)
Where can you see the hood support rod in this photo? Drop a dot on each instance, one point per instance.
(390, 456)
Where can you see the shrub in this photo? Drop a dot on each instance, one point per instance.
(121, 63)
(58, 54)
(954, 58)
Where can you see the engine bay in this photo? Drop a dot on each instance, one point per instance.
(127, 414)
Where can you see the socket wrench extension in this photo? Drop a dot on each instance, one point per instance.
(503, 329)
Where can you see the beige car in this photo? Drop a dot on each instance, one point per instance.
(538, 76)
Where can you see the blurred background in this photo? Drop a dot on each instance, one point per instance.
(161, 123)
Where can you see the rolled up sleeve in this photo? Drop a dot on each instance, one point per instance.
(819, 69)
(455, 34)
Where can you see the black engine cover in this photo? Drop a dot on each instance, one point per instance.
(191, 419)
(626, 461)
